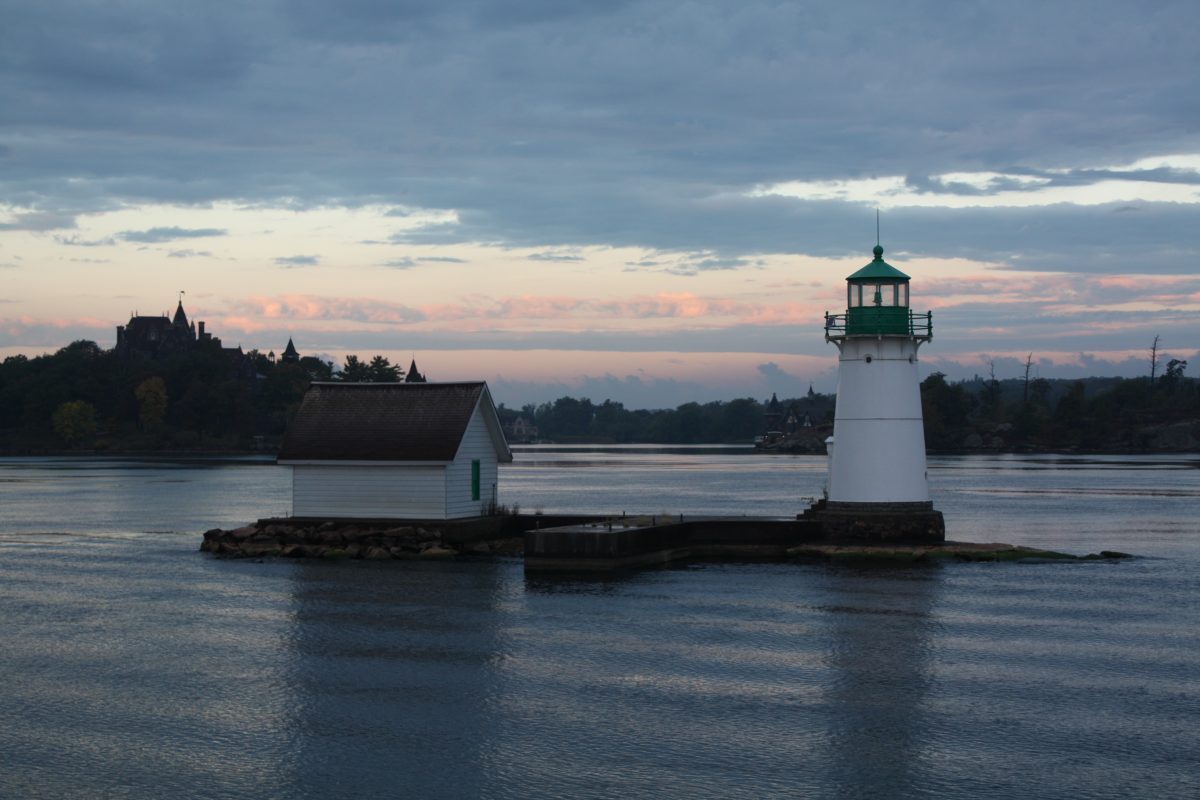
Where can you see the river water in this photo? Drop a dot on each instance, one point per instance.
(134, 666)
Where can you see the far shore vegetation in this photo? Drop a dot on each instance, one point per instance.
(86, 399)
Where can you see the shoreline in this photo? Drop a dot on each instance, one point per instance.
(598, 544)
(750, 448)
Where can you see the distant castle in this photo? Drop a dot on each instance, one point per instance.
(159, 337)
(154, 338)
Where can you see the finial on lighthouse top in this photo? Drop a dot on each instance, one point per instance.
(878, 269)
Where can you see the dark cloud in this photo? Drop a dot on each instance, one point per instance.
(563, 257)
(634, 391)
(696, 263)
(170, 234)
(782, 382)
(1030, 181)
(75, 241)
(407, 262)
(189, 253)
(548, 124)
(39, 221)
(297, 261)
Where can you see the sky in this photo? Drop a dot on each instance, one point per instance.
(653, 202)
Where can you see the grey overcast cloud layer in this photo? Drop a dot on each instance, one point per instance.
(669, 127)
(557, 123)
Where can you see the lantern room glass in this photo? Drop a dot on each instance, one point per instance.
(877, 295)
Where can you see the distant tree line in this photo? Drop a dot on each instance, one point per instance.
(84, 396)
(568, 419)
(1101, 414)
(1096, 414)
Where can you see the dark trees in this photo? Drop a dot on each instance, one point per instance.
(377, 370)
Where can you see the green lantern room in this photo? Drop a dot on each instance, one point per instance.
(877, 300)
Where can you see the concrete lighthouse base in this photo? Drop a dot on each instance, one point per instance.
(879, 523)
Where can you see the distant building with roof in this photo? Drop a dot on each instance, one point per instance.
(522, 430)
(395, 451)
(159, 337)
(153, 338)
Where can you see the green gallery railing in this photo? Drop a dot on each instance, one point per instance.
(879, 321)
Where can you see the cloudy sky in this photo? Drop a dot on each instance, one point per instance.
(650, 201)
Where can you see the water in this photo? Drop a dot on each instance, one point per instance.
(135, 667)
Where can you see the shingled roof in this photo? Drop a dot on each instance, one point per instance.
(387, 422)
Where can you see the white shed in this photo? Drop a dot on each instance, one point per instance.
(395, 451)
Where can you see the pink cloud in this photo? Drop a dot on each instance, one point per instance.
(26, 322)
(259, 312)
(251, 313)
(1145, 281)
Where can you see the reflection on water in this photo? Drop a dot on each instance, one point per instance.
(136, 667)
(395, 671)
(881, 632)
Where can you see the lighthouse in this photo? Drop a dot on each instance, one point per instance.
(878, 487)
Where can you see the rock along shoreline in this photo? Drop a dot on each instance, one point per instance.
(510, 536)
(333, 539)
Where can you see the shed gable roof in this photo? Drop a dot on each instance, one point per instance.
(388, 422)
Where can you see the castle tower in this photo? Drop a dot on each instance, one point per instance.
(290, 354)
(414, 376)
(878, 486)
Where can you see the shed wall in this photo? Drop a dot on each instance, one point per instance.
(476, 444)
(370, 492)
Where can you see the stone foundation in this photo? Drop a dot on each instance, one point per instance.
(882, 523)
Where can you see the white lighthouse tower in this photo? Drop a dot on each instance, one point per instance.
(878, 485)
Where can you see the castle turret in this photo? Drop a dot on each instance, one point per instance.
(290, 354)
(773, 414)
(878, 485)
(414, 376)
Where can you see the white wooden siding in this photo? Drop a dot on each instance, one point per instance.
(379, 492)
(476, 444)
